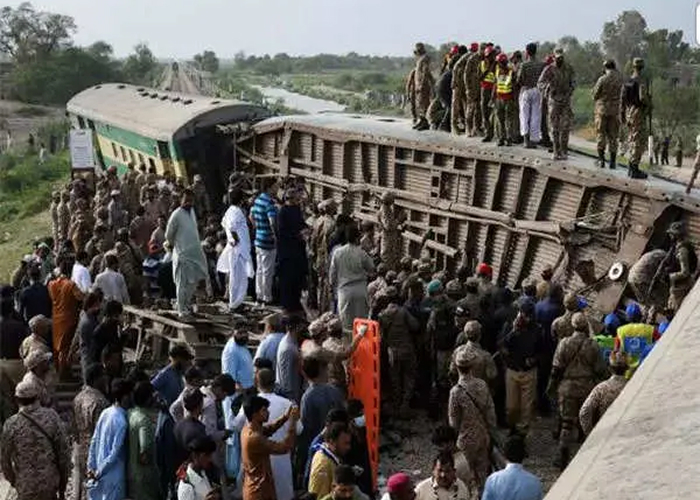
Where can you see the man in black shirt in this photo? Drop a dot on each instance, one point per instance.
(521, 344)
(189, 428)
(12, 333)
(34, 299)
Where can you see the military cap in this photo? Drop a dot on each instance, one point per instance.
(474, 47)
(472, 284)
(423, 267)
(618, 358)
(472, 330)
(558, 52)
(27, 390)
(35, 358)
(419, 48)
(38, 320)
(637, 62)
(609, 64)
(327, 316)
(435, 286)
(115, 192)
(579, 322)
(465, 358)
(676, 228)
(454, 287)
(571, 302)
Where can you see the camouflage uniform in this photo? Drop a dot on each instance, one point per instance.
(606, 94)
(576, 368)
(129, 266)
(117, 215)
(483, 366)
(473, 97)
(28, 458)
(458, 93)
(396, 325)
(558, 83)
(472, 414)
(683, 268)
(562, 327)
(411, 94)
(635, 117)
(202, 204)
(87, 406)
(63, 218)
(487, 66)
(391, 245)
(599, 400)
(80, 232)
(326, 229)
(423, 85)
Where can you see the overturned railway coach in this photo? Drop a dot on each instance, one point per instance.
(468, 202)
(171, 132)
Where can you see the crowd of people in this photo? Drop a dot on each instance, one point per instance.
(478, 358)
(482, 91)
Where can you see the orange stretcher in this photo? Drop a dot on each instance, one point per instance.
(364, 385)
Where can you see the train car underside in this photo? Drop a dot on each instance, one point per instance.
(467, 202)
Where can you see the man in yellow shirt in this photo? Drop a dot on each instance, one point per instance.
(336, 443)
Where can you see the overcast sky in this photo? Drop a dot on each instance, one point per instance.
(182, 28)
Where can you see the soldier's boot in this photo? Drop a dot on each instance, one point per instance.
(422, 124)
(635, 173)
(613, 160)
(487, 138)
(601, 158)
(501, 142)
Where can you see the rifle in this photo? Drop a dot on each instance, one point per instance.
(650, 145)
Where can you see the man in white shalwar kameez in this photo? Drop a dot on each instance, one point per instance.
(235, 259)
(281, 464)
(189, 262)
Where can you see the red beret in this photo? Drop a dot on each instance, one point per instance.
(398, 482)
(474, 47)
(484, 268)
(454, 50)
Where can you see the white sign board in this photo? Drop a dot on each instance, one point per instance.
(81, 151)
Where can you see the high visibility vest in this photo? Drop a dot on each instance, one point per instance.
(489, 78)
(635, 339)
(504, 81)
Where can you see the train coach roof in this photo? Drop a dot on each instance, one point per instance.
(158, 114)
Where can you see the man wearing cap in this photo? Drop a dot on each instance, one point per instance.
(423, 85)
(520, 345)
(38, 365)
(189, 263)
(604, 394)
(562, 327)
(636, 104)
(606, 94)
(12, 334)
(680, 263)
(458, 90)
(400, 487)
(483, 366)
(321, 241)
(472, 90)
(441, 334)
(63, 218)
(576, 369)
(117, 214)
(634, 337)
(504, 99)
(487, 81)
(557, 82)
(530, 98)
(484, 273)
(391, 241)
(34, 450)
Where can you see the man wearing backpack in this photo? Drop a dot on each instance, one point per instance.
(636, 104)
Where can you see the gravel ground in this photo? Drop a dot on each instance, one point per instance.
(406, 447)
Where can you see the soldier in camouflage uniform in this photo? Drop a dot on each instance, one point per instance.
(397, 327)
(411, 94)
(326, 230)
(576, 369)
(562, 327)
(683, 266)
(442, 336)
(80, 232)
(202, 204)
(472, 90)
(63, 218)
(636, 104)
(604, 394)
(129, 270)
(391, 246)
(487, 81)
(55, 201)
(557, 82)
(606, 95)
(470, 305)
(34, 464)
(483, 366)
(458, 91)
(423, 86)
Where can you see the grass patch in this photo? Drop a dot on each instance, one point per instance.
(16, 240)
(31, 112)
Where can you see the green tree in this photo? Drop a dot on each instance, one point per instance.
(623, 39)
(675, 108)
(585, 58)
(141, 67)
(27, 34)
(207, 61)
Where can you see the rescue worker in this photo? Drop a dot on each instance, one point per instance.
(487, 78)
(557, 80)
(682, 266)
(423, 86)
(606, 338)
(603, 394)
(472, 90)
(634, 337)
(504, 99)
(391, 242)
(458, 105)
(530, 98)
(562, 327)
(576, 369)
(606, 94)
(397, 326)
(636, 104)
(483, 366)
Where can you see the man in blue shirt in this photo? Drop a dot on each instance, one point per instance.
(170, 382)
(513, 482)
(273, 336)
(263, 216)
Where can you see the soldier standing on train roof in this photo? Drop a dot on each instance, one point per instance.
(636, 104)
(633, 338)
(696, 166)
(604, 394)
(576, 368)
(606, 95)
(557, 82)
(423, 86)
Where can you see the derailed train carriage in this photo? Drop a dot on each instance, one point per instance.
(171, 132)
(513, 208)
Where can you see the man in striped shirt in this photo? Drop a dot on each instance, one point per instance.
(263, 216)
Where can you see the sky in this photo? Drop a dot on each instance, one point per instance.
(182, 28)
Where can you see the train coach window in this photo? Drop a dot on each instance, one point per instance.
(115, 153)
(123, 152)
(141, 160)
(152, 163)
